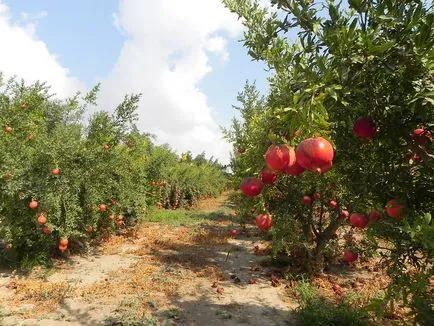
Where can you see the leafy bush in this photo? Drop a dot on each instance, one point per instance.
(371, 60)
(84, 181)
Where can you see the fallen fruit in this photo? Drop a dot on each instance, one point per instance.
(350, 256)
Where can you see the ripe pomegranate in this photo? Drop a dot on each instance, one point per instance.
(294, 169)
(344, 214)
(64, 242)
(395, 208)
(111, 217)
(9, 129)
(62, 247)
(421, 136)
(333, 204)
(268, 176)
(29, 137)
(316, 196)
(102, 207)
(263, 222)
(42, 218)
(106, 147)
(359, 220)
(46, 230)
(325, 168)
(314, 154)
(374, 216)
(89, 229)
(55, 171)
(306, 200)
(278, 157)
(232, 232)
(350, 256)
(251, 187)
(364, 128)
(33, 204)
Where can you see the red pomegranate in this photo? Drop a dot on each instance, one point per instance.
(251, 187)
(395, 208)
(315, 154)
(350, 256)
(278, 157)
(316, 196)
(359, 220)
(268, 176)
(325, 168)
(306, 200)
(263, 222)
(333, 204)
(344, 214)
(294, 169)
(421, 136)
(374, 216)
(232, 232)
(364, 128)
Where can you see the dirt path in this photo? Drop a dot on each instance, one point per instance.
(171, 274)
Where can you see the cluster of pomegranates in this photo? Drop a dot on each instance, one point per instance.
(316, 154)
(313, 154)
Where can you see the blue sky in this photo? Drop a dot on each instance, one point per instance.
(84, 37)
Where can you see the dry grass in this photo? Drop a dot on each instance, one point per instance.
(40, 296)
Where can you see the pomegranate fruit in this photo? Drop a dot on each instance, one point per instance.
(55, 171)
(102, 207)
(232, 232)
(395, 208)
(268, 176)
(350, 256)
(421, 136)
(359, 220)
(315, 154)
(89, 229)
(62, 247)
(251, 187)
(263, 222)
(325, 168)
(294, 169)
(64, 242)
(364, 128)
(333, 204)
(374, 216)
(42, 218)
(344, 214)
(9, 129)
(33, 204)
(306, 200)
(46, 230)
(316, 196)
(278, 157)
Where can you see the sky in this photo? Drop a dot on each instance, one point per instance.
(184, 56)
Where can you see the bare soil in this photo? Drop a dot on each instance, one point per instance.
(167, 275)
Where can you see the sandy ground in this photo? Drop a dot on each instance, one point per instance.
(169, 275)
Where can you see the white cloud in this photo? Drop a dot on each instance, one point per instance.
(165, 56)
(23, 55)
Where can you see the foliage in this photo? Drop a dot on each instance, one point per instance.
(101, 184)
(364, 59)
